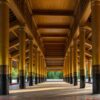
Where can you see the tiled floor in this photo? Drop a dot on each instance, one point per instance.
(51, 91)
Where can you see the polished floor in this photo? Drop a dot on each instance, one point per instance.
(51, 91)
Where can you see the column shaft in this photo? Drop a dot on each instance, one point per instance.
(68, 67)
(31, 63)
(38, 60)
(71, 65)
(22, 37)
(18, 72)
(10, 70)
(75, 62)
(89, 70)
(96, 45)
(82, 57)
(4, 47)
(36, 68)
(64, 76)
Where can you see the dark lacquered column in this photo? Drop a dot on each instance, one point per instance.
(96, 45)
(4, 47)
(45, 72)
(36, 68)
(71, 65)
(89, 70)
(18, 71)
(27, 71)
(42, 69)
(30, 62)
(68, 67)
(75, 62)
(22, 37)
(10, 70)
(35, 64)
(64, 74)
(82, 57)
(40, 66)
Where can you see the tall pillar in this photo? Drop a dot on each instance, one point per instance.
(45, 73)
(82, 57)
(71, 65)
(96, 45)
(64, 77)
(75, 62)
(22, 36)
(18, 72)
(4, 47)
(27, 71)
(89, 70)
(38, 66)
(42, 70)
(30, 63)
(36, 69)
(10, 70)
(68, 67)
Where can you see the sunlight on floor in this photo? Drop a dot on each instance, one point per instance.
(52, 90)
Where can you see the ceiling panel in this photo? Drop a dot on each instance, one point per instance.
(53, 4)
(49, 20)
(55, 31)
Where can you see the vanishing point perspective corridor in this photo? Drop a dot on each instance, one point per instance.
(49, 49)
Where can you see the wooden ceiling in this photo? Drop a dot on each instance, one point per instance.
(54, 21)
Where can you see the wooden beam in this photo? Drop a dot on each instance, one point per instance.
(53, 12)
(88, 43)
(13, 24)
(53, 26)
(14, 33)
(15, 43)
(80, 19)
(53, 35)
(50, 58)
(16, 53)
(53, 42)
(25, 18)
(54, 56)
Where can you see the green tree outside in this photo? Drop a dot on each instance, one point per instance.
(55, 75)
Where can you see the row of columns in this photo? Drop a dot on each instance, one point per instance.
(73, 64)
(95, 9)
(6, 64)
(4, 50)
